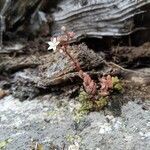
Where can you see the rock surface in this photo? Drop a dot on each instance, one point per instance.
(49, 120)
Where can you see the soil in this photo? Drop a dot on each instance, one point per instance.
(132, 56)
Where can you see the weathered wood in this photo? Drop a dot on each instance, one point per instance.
(11, 66)
(17, 12)
(97, 18)
(87, 18)
(26, 16)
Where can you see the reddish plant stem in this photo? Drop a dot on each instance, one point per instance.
(88, 83)
(76, 64)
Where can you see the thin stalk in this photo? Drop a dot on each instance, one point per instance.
(76, 64)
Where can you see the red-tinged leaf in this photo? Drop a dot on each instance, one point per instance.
(106, 84)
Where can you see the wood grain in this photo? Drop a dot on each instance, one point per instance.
(98, 18)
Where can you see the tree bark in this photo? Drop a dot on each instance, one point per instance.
(98, 18)
(87, 18)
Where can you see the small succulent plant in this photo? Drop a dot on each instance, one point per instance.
(61, 44)
(94, 96)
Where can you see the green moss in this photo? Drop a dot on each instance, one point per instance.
(3, 144)
(117, 85)
(79, 115)
(115, 80)
(101, 103)
(83, 96)
(72, 138)
(51, 113)
(90, 104)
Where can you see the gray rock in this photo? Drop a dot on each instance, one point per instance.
(24, 122)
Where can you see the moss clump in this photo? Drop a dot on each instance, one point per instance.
(86, 102)
(96, 103)
(72, 138)
(117, 85)
(87, 105)
(3, 144)
(90, 104)
(101, 103)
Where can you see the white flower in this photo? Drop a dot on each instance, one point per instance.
(53, 44)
